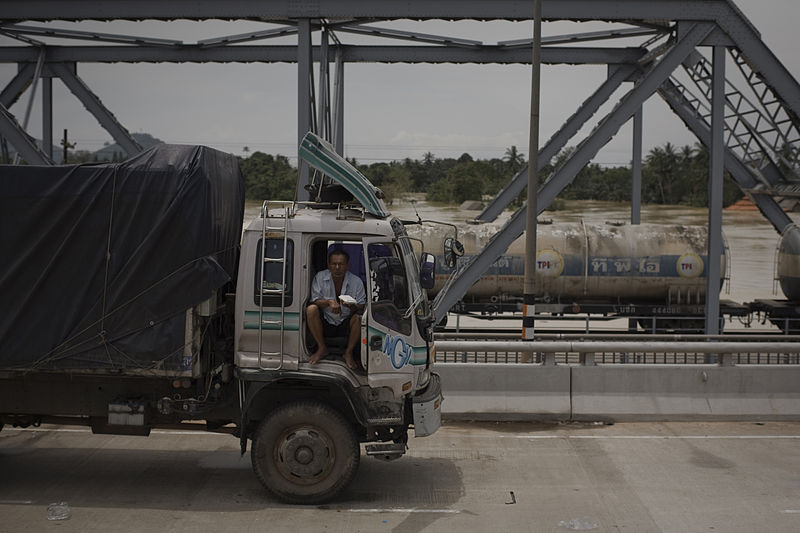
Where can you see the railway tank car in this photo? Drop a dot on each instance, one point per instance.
(785, 314)
(580, 263)
(788, 263)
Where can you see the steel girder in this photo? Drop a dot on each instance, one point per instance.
(305, 105)
(757, 131)
(636, 167)
(14, 89)
(349, 53)
(23, 143)
(18, 30)
(338, 106)
(647, 85)
(716, 160)
(612, 10)
(741, 173)
(47, 116)
(93, 104)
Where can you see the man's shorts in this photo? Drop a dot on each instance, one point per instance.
(342, 330)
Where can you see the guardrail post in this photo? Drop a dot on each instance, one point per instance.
(726, 359)
(587, 359)
(549, 359)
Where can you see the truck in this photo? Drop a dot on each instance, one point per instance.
(135, 300)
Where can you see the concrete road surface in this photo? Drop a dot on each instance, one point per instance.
(487, 477)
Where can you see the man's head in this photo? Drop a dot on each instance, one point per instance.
(338, 263)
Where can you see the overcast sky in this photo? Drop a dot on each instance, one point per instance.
(391, 111)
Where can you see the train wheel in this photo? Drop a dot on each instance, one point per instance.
(305, 452)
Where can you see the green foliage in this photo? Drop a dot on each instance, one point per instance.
(670, 175)
(81, 156)
(514, 160)
(268, 177)
(392, 178)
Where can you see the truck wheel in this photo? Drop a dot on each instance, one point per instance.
(305, 452)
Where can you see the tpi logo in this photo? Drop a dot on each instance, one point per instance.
(549, 263)
(690, 266)
(398, 351)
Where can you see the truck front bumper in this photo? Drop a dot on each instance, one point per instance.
(427, 406)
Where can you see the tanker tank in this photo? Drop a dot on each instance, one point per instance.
(579, 262)
(788, 263)
(784, 314)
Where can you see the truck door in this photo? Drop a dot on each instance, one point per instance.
(389, 325)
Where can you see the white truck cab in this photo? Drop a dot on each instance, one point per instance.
(281, 253)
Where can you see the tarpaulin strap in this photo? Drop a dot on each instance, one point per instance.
(108, 262)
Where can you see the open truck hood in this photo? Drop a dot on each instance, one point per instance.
(321, 155)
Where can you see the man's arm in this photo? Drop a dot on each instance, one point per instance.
(355, 288)
(318, 296)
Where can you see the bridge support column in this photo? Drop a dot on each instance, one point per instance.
(713, 268)
(636, 169)
(47, 116)
(304, 65)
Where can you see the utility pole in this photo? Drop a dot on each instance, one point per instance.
(529, 289)
(65, 143)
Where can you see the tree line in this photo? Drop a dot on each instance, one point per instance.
(670, 175)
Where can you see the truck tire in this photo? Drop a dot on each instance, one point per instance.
(305, 452)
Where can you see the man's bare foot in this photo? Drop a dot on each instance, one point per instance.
(318, 356)
(351, 363)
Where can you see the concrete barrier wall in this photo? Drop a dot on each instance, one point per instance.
(620, 392)
(505, 391)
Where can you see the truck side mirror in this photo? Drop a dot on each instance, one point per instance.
(452, 250)
(427, 271)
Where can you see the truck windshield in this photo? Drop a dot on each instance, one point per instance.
(412, 271)
(389, 287)
(411, 265)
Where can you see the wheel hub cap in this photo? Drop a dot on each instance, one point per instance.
(305, 454)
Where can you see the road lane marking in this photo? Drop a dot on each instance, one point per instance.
(88, 430)
(405, 510)
(649, 437)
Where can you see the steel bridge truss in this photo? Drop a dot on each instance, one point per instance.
(748, 120)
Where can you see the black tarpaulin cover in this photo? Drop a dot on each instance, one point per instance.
(99, 263)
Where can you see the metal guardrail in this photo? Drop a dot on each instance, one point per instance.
(592, 352)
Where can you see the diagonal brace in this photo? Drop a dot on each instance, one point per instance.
(24, 144)
(741, 174)
(557, 141)
(93, 104)
(17, 85)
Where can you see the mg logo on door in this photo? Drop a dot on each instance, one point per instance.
(398, 351)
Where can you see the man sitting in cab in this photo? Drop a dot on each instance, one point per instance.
(337, 299)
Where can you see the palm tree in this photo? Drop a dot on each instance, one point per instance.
(514, 159)
(663, 162)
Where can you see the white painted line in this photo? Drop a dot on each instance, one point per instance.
(791, 511)
(187, 432)
(16, 502)
(649, 437)
(401, 510)
(46, 430)
(88, 430)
